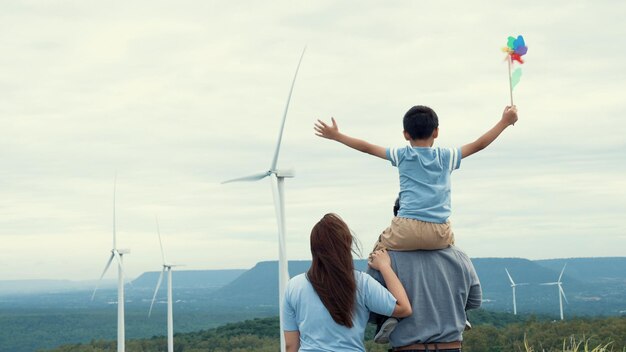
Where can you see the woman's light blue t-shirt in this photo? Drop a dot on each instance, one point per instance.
(303, 311)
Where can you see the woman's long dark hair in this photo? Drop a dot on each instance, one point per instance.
(332, 269)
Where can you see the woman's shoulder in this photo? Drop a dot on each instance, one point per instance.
(358, 273)
(298, 282)
(362, 278)
(298, 279)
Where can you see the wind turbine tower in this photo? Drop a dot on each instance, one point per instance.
(116, 254)
(170, 311)
(513, 285)
(561, 291)
(277, 178)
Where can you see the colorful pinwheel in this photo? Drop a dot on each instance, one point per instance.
(515, 48)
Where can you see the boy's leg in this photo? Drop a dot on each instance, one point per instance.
(386, 328)
(379, 244)
(410, 234)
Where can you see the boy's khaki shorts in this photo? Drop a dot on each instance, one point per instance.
(410, 234)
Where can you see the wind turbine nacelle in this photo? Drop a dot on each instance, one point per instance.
(123, 251)
(286, 173)
(168, 265)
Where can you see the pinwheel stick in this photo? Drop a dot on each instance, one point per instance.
(510, 80)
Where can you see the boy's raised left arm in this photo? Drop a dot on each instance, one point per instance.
(509, 117)
(332, 132)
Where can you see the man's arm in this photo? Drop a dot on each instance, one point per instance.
(509, 117)
(475, 297)
(332, 132)
(475, 293)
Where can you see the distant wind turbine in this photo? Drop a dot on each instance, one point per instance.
(561, 292)
(513, 285)
(117, 255)
(277, 178)
(170, 315)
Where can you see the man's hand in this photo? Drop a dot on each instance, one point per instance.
(509, 116)
(379, 259)
(325, 131)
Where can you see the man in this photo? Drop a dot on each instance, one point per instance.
(441, 286)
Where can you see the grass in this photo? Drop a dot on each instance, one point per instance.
(572, 345)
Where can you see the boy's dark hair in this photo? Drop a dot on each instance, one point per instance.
(420, 122)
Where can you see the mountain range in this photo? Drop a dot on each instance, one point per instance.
(209, 298)
(594, 286)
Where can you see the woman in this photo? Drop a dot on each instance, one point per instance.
(327, 308)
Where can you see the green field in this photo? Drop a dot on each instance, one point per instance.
(493, 332)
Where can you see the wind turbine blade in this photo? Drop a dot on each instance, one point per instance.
(106, 267)
(559, 280)
(522, 284)
(509, 275)
(549, 283)
(156, 290)
(160, 243)
(563, 293)
(282, 125)
(254, 177)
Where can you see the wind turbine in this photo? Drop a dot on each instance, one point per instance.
(277, 178)
(513, 285)
(561, 292)
(116, 254)
(170, 314)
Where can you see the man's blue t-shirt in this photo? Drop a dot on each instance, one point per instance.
(441, 286)
(425, 181)
(303, 311)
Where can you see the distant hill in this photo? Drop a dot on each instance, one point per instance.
(11, 287)
(190, 278)
(592, 270)
(259, 285)
(594, 286)
(493, 276)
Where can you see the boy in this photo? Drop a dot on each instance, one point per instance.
(421, 221)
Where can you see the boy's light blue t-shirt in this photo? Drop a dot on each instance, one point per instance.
(303, 311)
(425, 181)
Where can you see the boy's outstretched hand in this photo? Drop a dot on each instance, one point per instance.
(509, 116)
(325, 131)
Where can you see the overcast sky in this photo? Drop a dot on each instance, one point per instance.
(178, 96)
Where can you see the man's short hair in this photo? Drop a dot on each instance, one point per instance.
(420, 122)
(396, 206)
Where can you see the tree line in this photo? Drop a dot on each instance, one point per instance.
(492, 332)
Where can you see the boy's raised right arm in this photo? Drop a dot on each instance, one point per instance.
(509, 117)
(332, 132)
